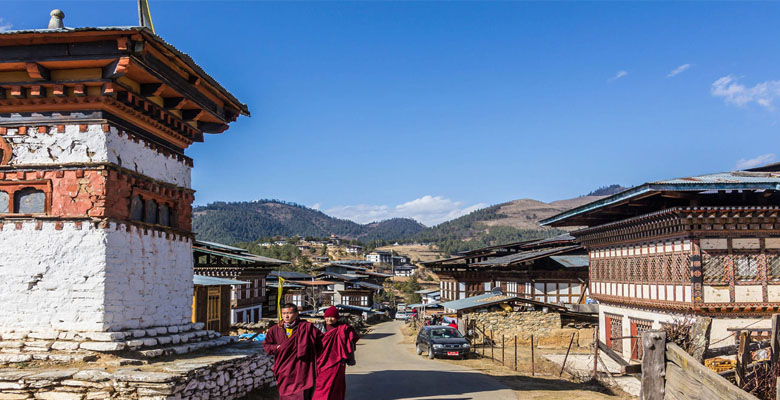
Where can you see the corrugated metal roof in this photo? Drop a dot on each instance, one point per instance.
(427, 291)
(370, 285)
(288, 275)
(735, 180)
(242, 257)
(523, 256)
(572, 261)
(482, 300)
(203, 280)
(218, 246)
(148, 32)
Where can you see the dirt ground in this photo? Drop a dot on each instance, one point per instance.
(415, 252)
(545, 384)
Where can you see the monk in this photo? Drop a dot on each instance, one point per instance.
(293, 343)
(337, 351)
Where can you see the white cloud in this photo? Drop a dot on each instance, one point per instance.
(678, 70)
(316, 206)
(763, 93)
(755, 161)
(618, 75)
(429, 210)
(5, 26)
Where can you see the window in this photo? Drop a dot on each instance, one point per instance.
(30, 201)
(150, 216)
(164, 216)
(714, 267)
(137, 208)
(746, 267)
(773, 265)
(4, 202)
(213, 309)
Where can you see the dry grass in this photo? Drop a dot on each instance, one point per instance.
(415, 252)
(545, 384)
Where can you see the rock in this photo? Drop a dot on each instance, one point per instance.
(13, 396)
(15, 335)
(103, 346)
(92, 375)
(164, 340)
(15, 358)
(44, 335)
(11, 345)
(198, 326)
(63, 345)
(105, 336)
(151, 332)
(150, 342)
(59, 396)
(52, 375)
(138, 333)
(129, 375)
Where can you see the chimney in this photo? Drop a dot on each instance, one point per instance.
(56, 19)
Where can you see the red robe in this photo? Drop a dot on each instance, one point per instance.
(337, 344)
(293, 359)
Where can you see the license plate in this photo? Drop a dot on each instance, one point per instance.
(452, 353)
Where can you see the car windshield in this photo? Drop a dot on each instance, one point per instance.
(445, 333)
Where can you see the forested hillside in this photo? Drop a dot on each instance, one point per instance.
(249, 221)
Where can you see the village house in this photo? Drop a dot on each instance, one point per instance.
(351, 285)
(211, 302)
(404, 270)
(429, 296)
(380, 257)
(353, 249)
(223, 261)
(698, 246)
(400, 260)
(292, 290)
(553, 270)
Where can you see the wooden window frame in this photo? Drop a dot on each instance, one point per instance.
(12, 187)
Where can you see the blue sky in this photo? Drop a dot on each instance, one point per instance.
(369, 110)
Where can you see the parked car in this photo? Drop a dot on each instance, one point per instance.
(402, 315)
(440, 341)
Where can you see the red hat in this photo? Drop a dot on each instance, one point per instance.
(332, 311)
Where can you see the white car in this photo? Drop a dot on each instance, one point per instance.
(402, 315)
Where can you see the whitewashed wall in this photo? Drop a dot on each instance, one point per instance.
(92, 279)
(94, 145)
(50, 278)
(148, 279)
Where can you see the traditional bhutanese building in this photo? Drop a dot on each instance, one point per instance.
(703, 246)
(248, 301)
(553, 270)
(95, 189)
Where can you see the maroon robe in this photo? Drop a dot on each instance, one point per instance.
(294, 359)
(337, 344)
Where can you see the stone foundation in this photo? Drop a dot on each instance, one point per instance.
(545, 327)
(228, 373)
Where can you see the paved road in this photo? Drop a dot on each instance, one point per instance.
(388, 370)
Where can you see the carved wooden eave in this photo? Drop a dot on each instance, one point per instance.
(127, 71)
(683, 221)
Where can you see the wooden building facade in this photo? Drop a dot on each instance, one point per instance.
(248, 300)
(553, 270)
(700, 246)
(211, 302)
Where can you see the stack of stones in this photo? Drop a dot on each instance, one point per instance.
(521, 324)
(224, 374)
(66, 346)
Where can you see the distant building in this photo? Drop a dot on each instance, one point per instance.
(429, 296)
(211, 302)
(380, 257)
(303, 247)
(404, 270)
(400, 260)
(354, 249)
(320, 259)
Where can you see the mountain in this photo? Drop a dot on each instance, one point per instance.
(249, 221)
(508, 222)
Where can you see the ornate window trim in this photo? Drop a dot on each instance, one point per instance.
(12, 187)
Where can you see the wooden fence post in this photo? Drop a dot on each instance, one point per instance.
(700, 337)
(653, 365)
(774, 340)
(503, 346)
(743, 358)
(515, 352)
(533, 370)
(595, 352)
(492, 347)
(567, 355)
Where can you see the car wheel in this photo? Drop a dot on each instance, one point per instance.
(419, 350)
(430, 353)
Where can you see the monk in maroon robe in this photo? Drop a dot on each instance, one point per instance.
(293, 343)
(337, 350)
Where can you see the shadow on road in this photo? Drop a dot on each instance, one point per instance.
(395, 384)
(376, 335)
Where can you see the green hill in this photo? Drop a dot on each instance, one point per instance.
(249, 221)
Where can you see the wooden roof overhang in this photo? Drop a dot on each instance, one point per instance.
(684, 221)
(127, 71)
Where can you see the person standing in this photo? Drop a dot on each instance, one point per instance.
(293, 343)
(336, 352)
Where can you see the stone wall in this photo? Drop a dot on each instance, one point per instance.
(80, 277)
(228, 373)
(544, 326)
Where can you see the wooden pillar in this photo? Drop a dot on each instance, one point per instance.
(700, 337)
(743, 357)
(653, 365)
(774, 340)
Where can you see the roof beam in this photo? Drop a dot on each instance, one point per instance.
(152, 89)
(117, 68)
(37, 72)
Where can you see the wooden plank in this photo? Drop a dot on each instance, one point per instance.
(681, 386)
(612, 354)
(653, 365)
(774, 340)
(700, 337)
(631, 369)
(743, 358)
(718, 384)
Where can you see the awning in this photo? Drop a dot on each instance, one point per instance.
(482, 300)
(250, 258)
(203, 280)
(572, 261)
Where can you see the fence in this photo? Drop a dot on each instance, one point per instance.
(669, 372)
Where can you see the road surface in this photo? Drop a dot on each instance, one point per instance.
(388, 370)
